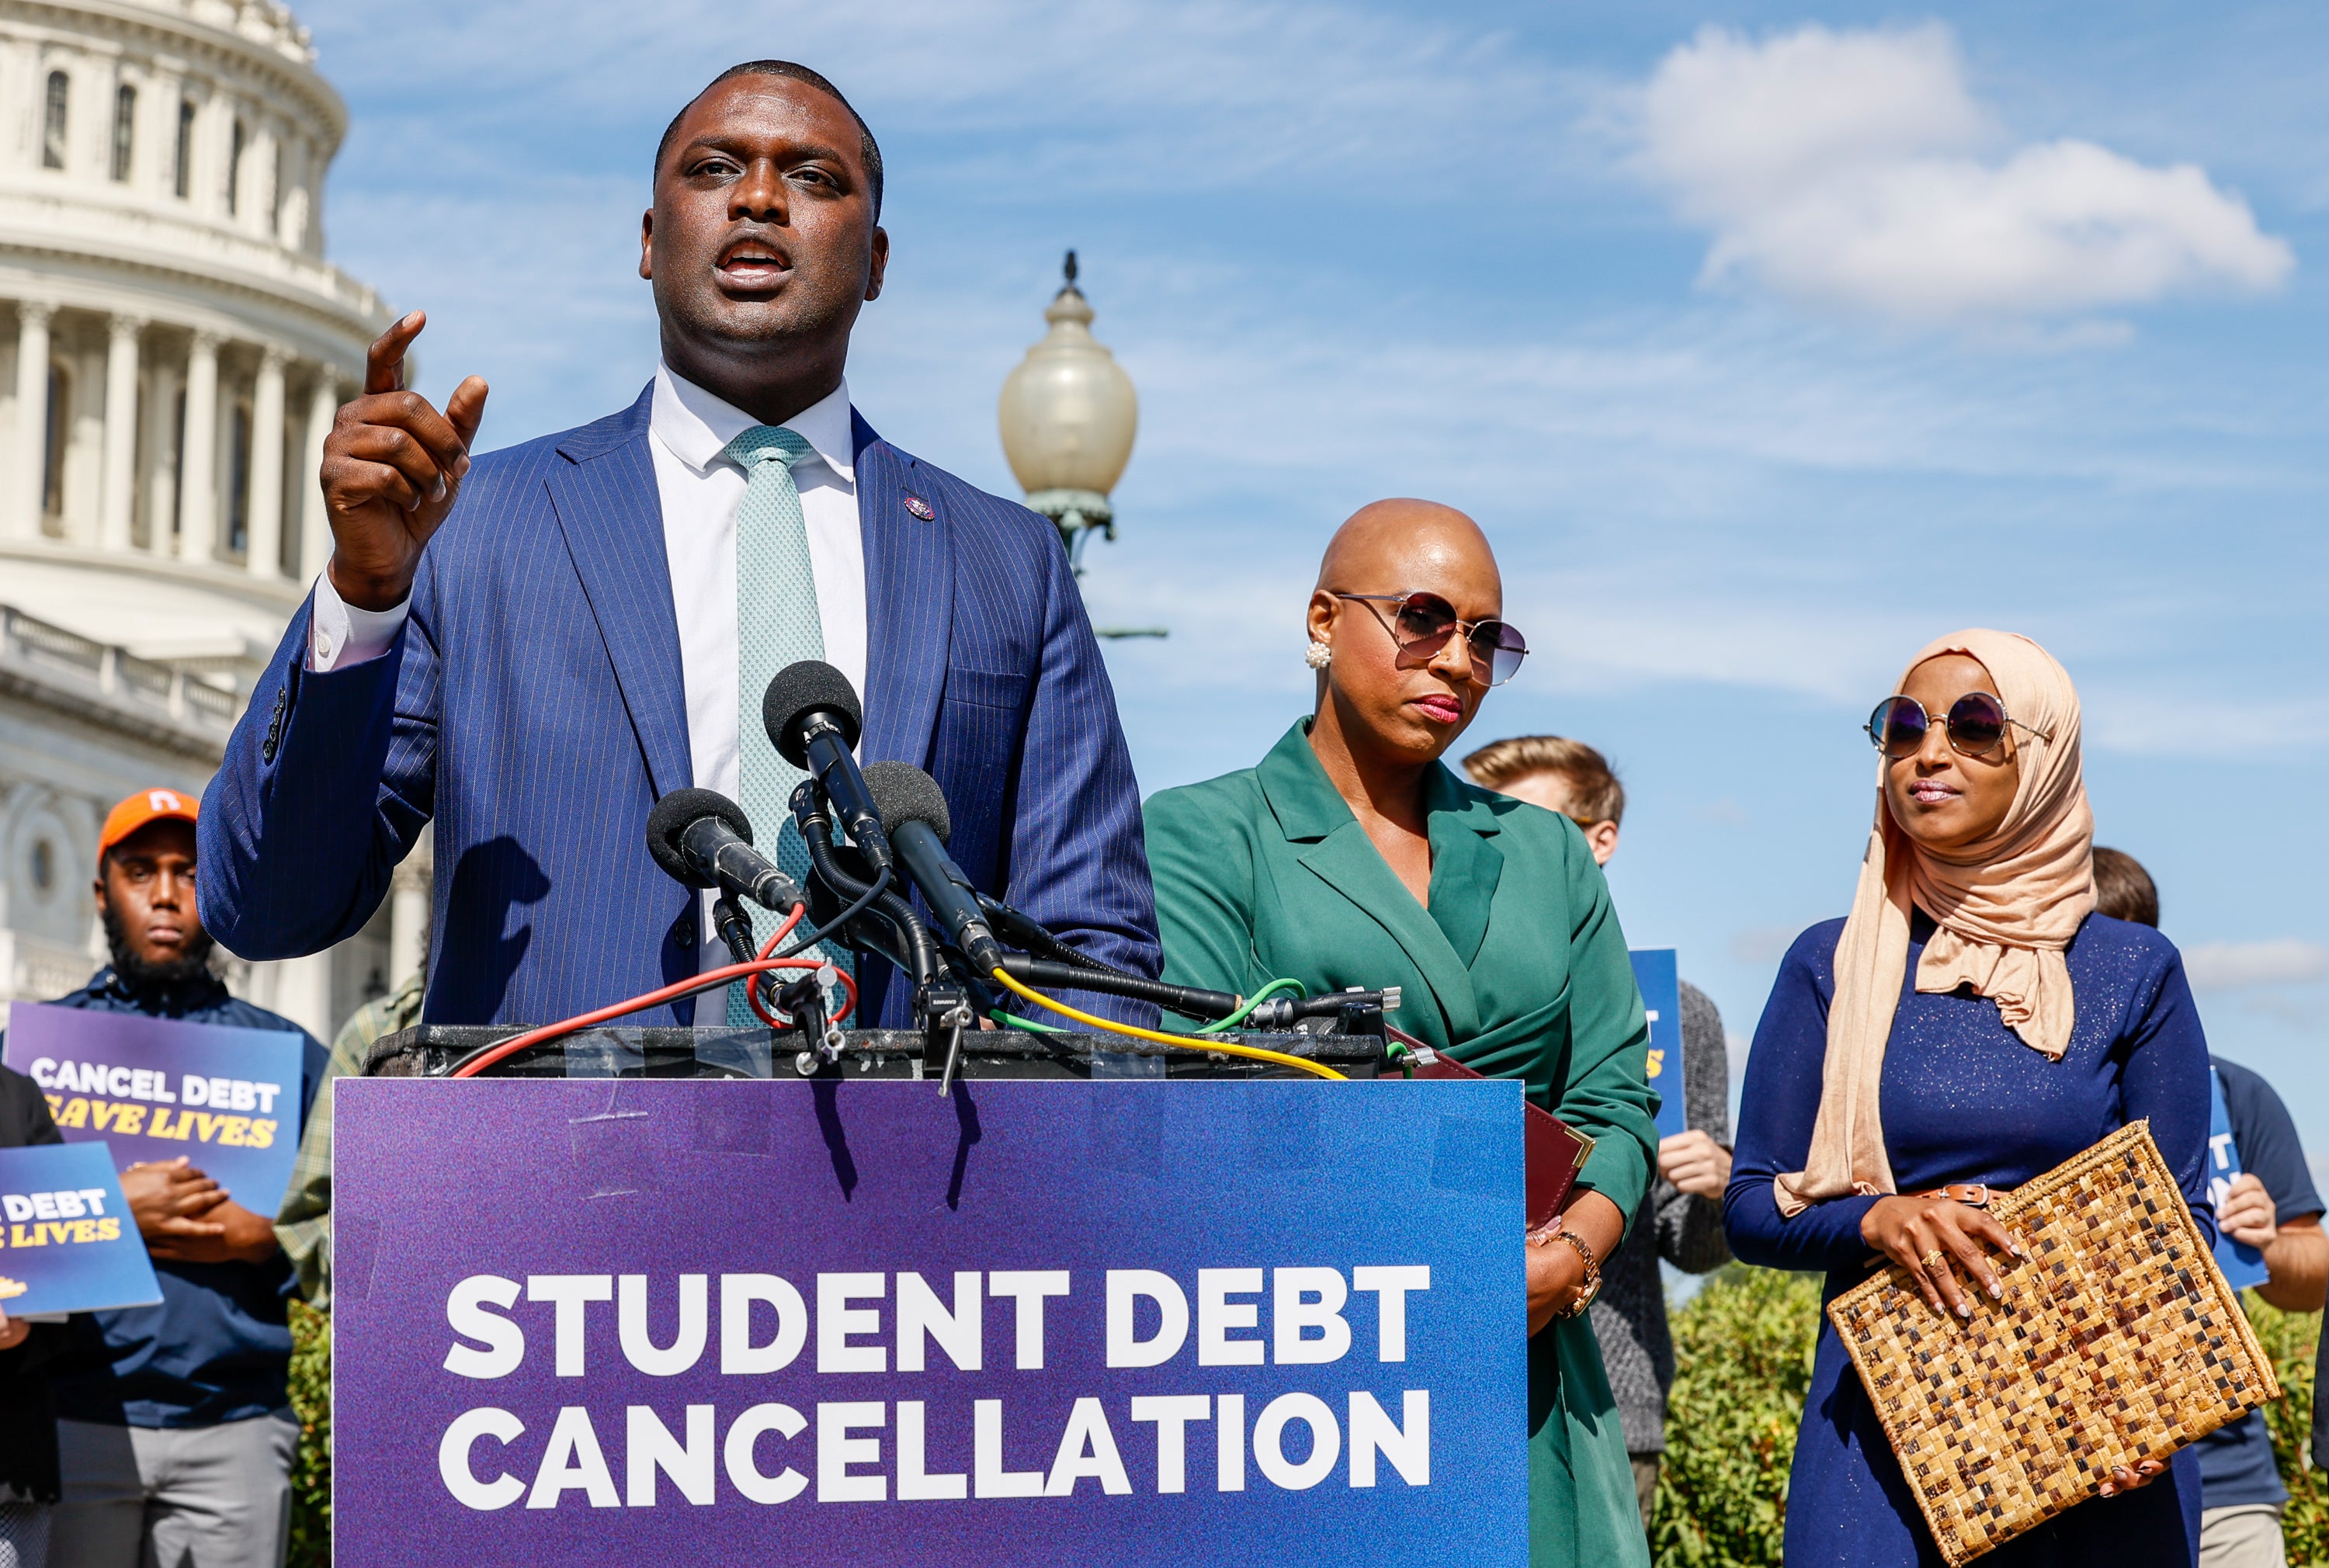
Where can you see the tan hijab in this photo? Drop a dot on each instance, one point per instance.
(2006, 906)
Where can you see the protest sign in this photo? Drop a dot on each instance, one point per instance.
(154, 1089)
(2243, 1265)
(67, 1243)
(1654, 972)
(664, 1322)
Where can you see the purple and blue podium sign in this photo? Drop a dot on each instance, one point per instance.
(1659, 979)
(226, 1098)
(1042, 1322)
(67, 1243)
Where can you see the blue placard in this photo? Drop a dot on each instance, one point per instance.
(67, 1243)
(226, 1098)
(1654, 972)
(2243, 1265)
(1048, 1324)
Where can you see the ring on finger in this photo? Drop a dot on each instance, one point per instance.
(1932, 1260)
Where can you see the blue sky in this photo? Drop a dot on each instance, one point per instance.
(1765, 343)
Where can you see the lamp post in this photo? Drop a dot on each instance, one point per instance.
(1068, 413)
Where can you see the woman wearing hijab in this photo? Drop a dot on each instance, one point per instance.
(1350, 857)
(1972, 1021)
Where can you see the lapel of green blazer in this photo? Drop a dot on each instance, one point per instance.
(1330, 843)
(1466, 864)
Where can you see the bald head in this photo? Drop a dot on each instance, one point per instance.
(1390, 545)
(1395, 684)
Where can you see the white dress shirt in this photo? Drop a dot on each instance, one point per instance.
(700, 491)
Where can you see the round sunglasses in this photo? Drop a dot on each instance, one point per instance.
(1421, 623)
(1976, 724)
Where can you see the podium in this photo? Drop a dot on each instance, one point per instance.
(648, 1296)
(616, 1052)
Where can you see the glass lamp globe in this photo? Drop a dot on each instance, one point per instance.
(1068, 413)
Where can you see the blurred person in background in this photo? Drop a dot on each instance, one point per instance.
(28, 1413)
(1351, 856)
(176, 1434)
(2272, 1208)
(304, 1224)
(1973, 1022)
(1571, 779)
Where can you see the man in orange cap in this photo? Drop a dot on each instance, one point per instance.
(174, 1435)
(145, 893)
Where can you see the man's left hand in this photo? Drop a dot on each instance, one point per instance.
(1695, 1163)
(2247, 1215)
(248, 1239)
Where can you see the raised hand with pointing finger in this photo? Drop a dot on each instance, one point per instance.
(392, 468)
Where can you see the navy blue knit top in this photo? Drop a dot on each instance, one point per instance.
(1963, 1100)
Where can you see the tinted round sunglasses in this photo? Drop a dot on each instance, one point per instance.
(1976, 724)
(1421, 623)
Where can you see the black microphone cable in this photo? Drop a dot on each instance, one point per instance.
(816, 829)
(865, 900)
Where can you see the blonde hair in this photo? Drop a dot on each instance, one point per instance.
(1594, 793)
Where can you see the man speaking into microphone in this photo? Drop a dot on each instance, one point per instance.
(532, 646)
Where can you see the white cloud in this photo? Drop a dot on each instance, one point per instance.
(2122, 716)
(1854, 169)
(2281, 960)
(1091, 93)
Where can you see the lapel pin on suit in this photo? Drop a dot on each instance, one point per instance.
(921, 508)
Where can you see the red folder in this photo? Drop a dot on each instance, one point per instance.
(1554, 1150)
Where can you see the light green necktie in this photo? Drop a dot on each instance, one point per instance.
(776, 625)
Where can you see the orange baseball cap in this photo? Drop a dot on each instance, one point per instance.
(146, 806)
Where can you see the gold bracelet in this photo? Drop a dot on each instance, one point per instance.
(1592, 1276)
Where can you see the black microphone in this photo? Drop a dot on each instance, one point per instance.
(702, 839)
(914, 815)
(813, 719)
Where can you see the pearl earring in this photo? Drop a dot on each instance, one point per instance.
(1318, 655)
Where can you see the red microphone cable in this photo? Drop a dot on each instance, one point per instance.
(477, 1061)
(752, 987)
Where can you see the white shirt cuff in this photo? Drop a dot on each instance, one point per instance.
(340, 634)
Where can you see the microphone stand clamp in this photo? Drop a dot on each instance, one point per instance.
(944, 1007)
(803, 1000)
(1363, 1014)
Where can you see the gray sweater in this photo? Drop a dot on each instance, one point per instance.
(1629, 1315)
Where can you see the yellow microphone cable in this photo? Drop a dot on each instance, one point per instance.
(1186, 1042)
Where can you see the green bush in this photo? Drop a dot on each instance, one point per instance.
(1743, 1351)
(311, 1467)
(1743, 1354)
(2291, 1338)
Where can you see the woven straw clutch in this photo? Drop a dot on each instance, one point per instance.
(2117, 1341)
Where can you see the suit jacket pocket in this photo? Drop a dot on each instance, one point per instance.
(987, 688)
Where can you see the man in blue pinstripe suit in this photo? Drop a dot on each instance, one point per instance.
(530, 647)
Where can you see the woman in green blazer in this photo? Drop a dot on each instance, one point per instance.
(1350, 857)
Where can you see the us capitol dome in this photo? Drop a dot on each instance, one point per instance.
(173, 347)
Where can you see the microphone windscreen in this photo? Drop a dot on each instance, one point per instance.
(798, 690)
(905, 794)
(671, 817)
